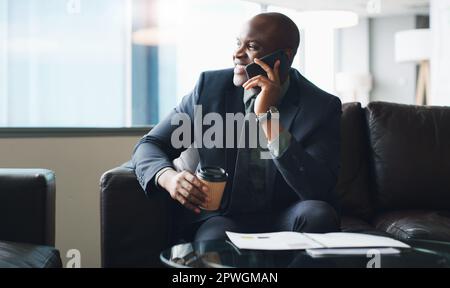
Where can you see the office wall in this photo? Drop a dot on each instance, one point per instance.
(369, 48)
(393, 82)
(440, 54)
(78, 162)
(353, 48)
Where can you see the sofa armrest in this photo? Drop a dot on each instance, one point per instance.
(27, 206)
(134, 227)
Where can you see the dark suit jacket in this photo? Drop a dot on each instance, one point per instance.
(308, 169)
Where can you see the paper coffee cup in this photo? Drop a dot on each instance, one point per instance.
(216, 179)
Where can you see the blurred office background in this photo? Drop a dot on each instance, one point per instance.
(81, 80)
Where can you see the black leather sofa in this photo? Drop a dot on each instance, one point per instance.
(394, 178)
(27, 219)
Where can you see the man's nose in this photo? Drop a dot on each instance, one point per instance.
(239, 52)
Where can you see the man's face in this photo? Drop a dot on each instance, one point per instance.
(255, 41)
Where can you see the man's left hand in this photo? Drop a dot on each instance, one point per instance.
(270, 87)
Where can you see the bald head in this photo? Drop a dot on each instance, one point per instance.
(279, 28)
(261, 35)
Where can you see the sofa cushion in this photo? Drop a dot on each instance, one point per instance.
(352, 187)
(352, 224)
(18, 255)
(356, 225)
(416, 224)
(410, 150)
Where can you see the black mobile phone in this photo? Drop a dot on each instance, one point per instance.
(254, 69)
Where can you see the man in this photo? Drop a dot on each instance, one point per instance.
(292, 191)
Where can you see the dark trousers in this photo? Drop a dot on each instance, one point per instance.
(306, 216)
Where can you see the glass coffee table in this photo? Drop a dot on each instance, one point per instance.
(223, 254)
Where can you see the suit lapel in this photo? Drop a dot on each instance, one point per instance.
(289, 108)
(233, 104)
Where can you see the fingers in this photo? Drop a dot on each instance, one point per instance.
(276, 71)
(190, 191)
(186, 203)
(187, 200)
(265, 67)
(194, 181)
(189, 196)
(272, 74)
(261, 80)
(255, 81)
(194, 186)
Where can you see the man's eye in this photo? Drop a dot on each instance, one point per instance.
(252, 47)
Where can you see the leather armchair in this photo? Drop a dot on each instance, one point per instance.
(27, 218)
(134, 228)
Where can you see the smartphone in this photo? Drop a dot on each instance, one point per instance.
(254, 69)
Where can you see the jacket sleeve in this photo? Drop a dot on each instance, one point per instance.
(310, 166)
(156, 150)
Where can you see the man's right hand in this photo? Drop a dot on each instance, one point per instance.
(185, 188)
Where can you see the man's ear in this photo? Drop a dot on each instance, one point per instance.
(291, 54)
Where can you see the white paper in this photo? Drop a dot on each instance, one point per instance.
(299, 241)
(350, 251)
(272, 241)
(349, 240)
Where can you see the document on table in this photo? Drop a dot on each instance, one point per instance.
(296, 240)
(326, 252)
